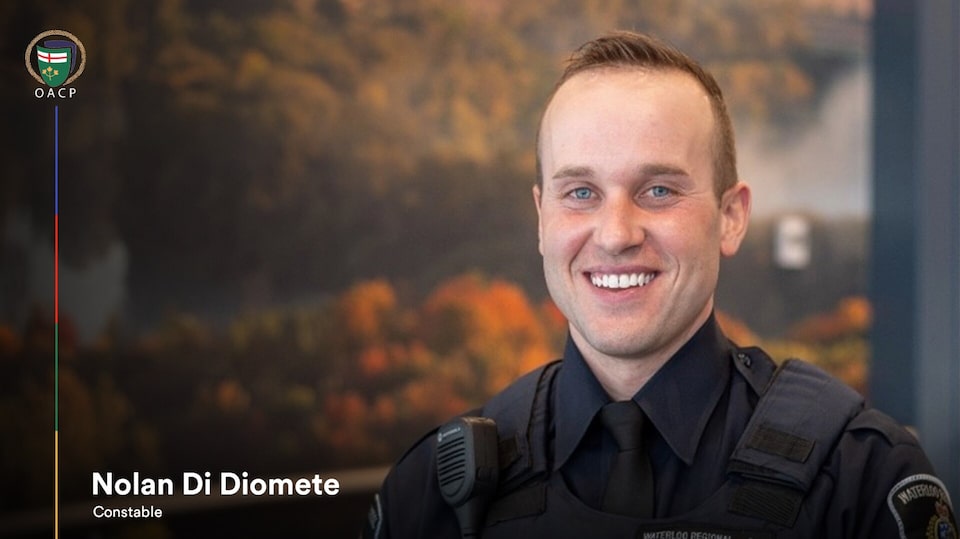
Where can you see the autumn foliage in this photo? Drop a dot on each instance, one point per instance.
(349, 381)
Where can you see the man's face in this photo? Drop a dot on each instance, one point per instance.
(631, 231)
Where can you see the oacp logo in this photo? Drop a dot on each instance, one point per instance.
(55, 58)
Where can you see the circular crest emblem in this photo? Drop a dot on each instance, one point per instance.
(55, 58)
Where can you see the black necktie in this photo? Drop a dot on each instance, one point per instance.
(630, 485)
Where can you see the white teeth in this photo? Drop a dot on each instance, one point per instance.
(623, 280)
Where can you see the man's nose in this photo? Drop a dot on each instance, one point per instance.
(620, 226)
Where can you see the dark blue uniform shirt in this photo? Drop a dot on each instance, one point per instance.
(697, 412)
(699, 405)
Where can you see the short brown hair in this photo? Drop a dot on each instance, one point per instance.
(630, 49)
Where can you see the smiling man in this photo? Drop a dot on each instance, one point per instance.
(632, 225)
(654, 424)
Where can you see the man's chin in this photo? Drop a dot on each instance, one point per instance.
(633, 348)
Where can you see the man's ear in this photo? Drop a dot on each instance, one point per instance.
(536, 203)
(734, 216)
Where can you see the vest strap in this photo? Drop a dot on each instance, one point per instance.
(521, 414)
(794, 429)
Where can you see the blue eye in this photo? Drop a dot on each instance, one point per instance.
(581, 193)
(660, 191)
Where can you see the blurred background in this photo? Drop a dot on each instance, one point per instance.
(296, 235)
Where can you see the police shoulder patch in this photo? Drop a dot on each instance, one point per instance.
(921, 506)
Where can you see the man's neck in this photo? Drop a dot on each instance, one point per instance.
(623, 377)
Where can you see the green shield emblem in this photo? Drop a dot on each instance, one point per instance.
(54, 65)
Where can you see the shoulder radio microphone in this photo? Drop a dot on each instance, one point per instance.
(467, 469)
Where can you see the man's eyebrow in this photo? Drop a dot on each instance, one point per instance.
(652, 169)
(661, 169)
(573, 172)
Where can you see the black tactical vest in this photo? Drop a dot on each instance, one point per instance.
(774, 485)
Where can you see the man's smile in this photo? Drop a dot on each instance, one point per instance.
(621, 280)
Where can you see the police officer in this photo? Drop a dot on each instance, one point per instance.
(654, 425)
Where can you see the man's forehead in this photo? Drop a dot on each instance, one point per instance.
(589, 94)
(583, 91)
(588, 87)
(626, 77)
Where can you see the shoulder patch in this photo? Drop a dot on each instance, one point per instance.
(921, 506)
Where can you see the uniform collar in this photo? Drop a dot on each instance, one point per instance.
(679, 399)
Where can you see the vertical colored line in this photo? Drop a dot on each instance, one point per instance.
(56, 322)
